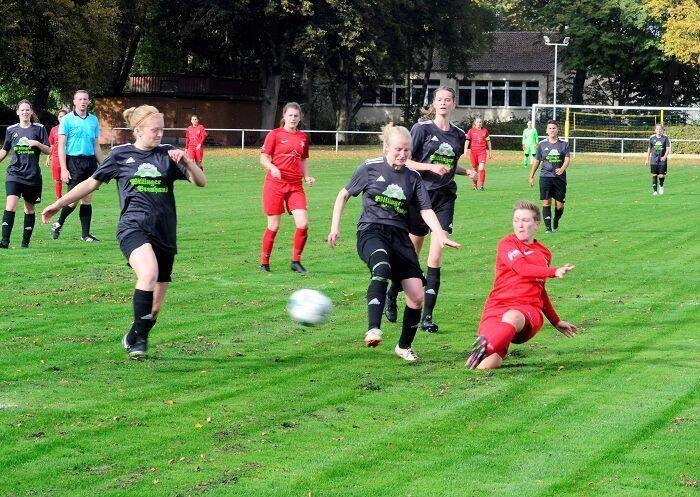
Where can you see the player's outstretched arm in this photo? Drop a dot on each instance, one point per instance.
(81, 190)
(338, 207)
(421, 166)
(562, 270)
(194, 174)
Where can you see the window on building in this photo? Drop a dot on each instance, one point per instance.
(477, 93)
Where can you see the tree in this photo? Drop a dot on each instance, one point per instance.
(680, 23)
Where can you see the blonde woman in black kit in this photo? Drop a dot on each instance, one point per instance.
(145, 172)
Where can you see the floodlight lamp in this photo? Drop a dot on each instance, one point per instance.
(546, 38)
(566, 41)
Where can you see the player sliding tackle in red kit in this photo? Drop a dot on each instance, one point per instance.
(515, 309)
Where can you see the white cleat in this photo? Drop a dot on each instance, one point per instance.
(655, 193)
(661, 190)
(373, 337)
(406, 354)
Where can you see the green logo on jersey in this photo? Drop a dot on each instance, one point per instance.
(553, 157)
(444, 155)
(148, 179)
(393, 198)
(22, 147)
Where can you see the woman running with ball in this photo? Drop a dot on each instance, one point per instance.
(389, 190)
(145, 172)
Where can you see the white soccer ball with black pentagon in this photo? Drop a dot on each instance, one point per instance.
(309, 307)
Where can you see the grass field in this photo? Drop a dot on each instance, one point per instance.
(236, 400)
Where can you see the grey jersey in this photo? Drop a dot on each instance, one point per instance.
(431, 145)
(24, 161)
(658, 146)
(552, 156)
(387, 193)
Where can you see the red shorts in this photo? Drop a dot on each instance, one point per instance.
(492, 317)
(278, 195)
(477, 157)
(194, 154)
(56, 170)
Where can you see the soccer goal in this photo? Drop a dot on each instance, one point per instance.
(621, 130)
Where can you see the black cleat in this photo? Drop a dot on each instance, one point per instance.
(428, 325)
(129, 339)
(89, 238)
(139, 349)
(4, 244)
(297, 267)
(390, 310)
(25, 245)
(478, 352)
(55, 231)
(265, 268)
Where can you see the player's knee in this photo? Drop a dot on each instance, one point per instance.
(380, 266)
(514, 318)
(414, 298)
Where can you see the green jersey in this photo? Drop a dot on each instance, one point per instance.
(530, 137)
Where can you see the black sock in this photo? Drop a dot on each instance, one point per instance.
(432, 287)
(393, 292)
(654, 179)
(547, 216)
(661, 180)
(376, 296)
(65, 212)
(411, 318)
(8, 221)
(558, 213)
(85, 214)
(29, 222)
(143, 318)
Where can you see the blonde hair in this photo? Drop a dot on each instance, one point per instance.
(389, 131)
(428, 113)
(134, 116)
(528, 206)
(291, 105)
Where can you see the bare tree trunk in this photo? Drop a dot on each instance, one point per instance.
(669, 83)
(272, 78)
(308, 82)
(127, 62)
(427, 71)
(578, 86)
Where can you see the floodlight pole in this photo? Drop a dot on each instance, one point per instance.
(556, 46)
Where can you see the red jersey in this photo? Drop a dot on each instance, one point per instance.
(195, 135)
(520, 274)
(53, 141)
(287, 151)
(478, 138)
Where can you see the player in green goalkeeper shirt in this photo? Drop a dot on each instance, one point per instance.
(530, 140)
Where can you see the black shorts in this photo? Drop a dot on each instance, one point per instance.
(402, 254)
(659, 168)
(30, 193)
(443, 202)
(553, 188)
(80, 167)
(133, 240)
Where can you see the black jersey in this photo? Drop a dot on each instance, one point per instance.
(431, 145)
(388, 193)
(24, 161)
(552, 157)
(145, 180)
(658, 146)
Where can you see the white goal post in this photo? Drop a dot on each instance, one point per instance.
(621, 130)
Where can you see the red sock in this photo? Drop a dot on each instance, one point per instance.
(499, 337)
(267, 242)
(482, 177)
(58, 188)
(474, 181)
(300, 236)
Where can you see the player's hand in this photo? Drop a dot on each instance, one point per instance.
(532, 181)
(439, 169)
(561, 271)
(473, 175)
(198, 147)
(566, 328)
(444, 241)
(48, 213)
(559, 171)
(33, 143)
(333, 237)
(65, 175)
(275, 172)
(176, 155)
(310, 180)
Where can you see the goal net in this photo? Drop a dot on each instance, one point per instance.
(621, 130)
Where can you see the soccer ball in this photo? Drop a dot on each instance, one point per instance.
(309, 307)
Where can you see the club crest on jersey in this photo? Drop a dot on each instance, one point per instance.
(148, 179)
(513, 254)
(147, 170)
(444, 155)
